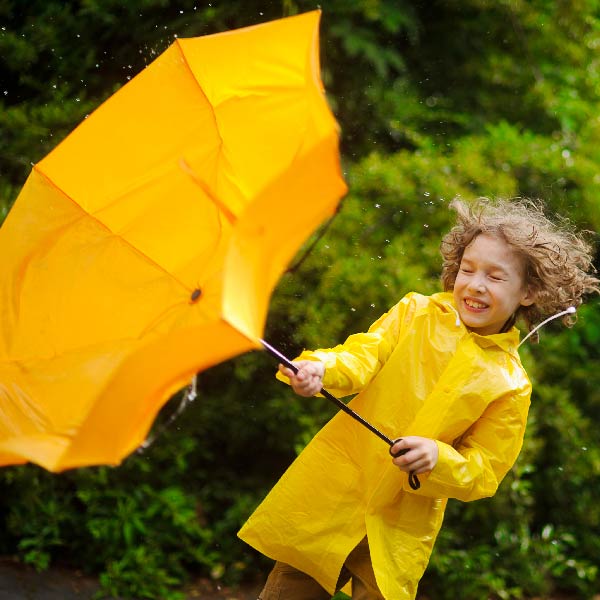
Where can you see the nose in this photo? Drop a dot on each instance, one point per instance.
(477, 284)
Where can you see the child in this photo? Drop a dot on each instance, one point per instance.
(444, 373)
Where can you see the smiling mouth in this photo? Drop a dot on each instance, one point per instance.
(474, 304)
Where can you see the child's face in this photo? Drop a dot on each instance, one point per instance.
(490, 285)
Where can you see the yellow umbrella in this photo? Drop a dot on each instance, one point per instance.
(145, 247)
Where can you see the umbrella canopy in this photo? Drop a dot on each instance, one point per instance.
(146, 245)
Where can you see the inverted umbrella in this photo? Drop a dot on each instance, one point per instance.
(145, 246)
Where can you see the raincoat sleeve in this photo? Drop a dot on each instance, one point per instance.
(474, 467)
(350, 366)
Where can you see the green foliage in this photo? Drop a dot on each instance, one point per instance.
(140, 529)
(435, 100)
(517, 565)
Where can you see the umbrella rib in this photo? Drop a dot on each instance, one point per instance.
(230, 216)
(85, 213)
(208, 102)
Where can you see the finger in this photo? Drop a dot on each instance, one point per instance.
(313, 387)
(421, 467)
(422, 464)
(314, 369)
(412, 441)
(300, 376)
(400, 447)
(409, 457)
(286, 371)
(402, 461)
(302, 385)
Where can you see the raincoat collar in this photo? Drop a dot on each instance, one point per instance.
(509, 341)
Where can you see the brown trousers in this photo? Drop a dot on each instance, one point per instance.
(287, 583)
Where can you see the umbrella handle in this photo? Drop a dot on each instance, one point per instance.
(412, 479)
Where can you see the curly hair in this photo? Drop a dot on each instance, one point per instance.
(557, 259)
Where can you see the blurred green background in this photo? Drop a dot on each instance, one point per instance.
(436, 99)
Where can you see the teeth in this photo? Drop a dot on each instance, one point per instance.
(474, 304)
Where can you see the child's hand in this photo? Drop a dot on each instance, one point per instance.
(421, 457)
(309, 379)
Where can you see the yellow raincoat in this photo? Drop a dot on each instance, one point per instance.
(417, 371)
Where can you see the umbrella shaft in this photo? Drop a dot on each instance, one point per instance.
(288, 363)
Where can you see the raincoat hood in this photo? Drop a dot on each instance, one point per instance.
(417, 371)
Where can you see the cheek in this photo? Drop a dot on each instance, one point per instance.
(457, 290)
(459, 282)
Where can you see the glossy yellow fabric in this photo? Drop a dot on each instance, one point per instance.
(146, 245)
(417, 371)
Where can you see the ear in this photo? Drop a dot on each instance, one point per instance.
(528, 297)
